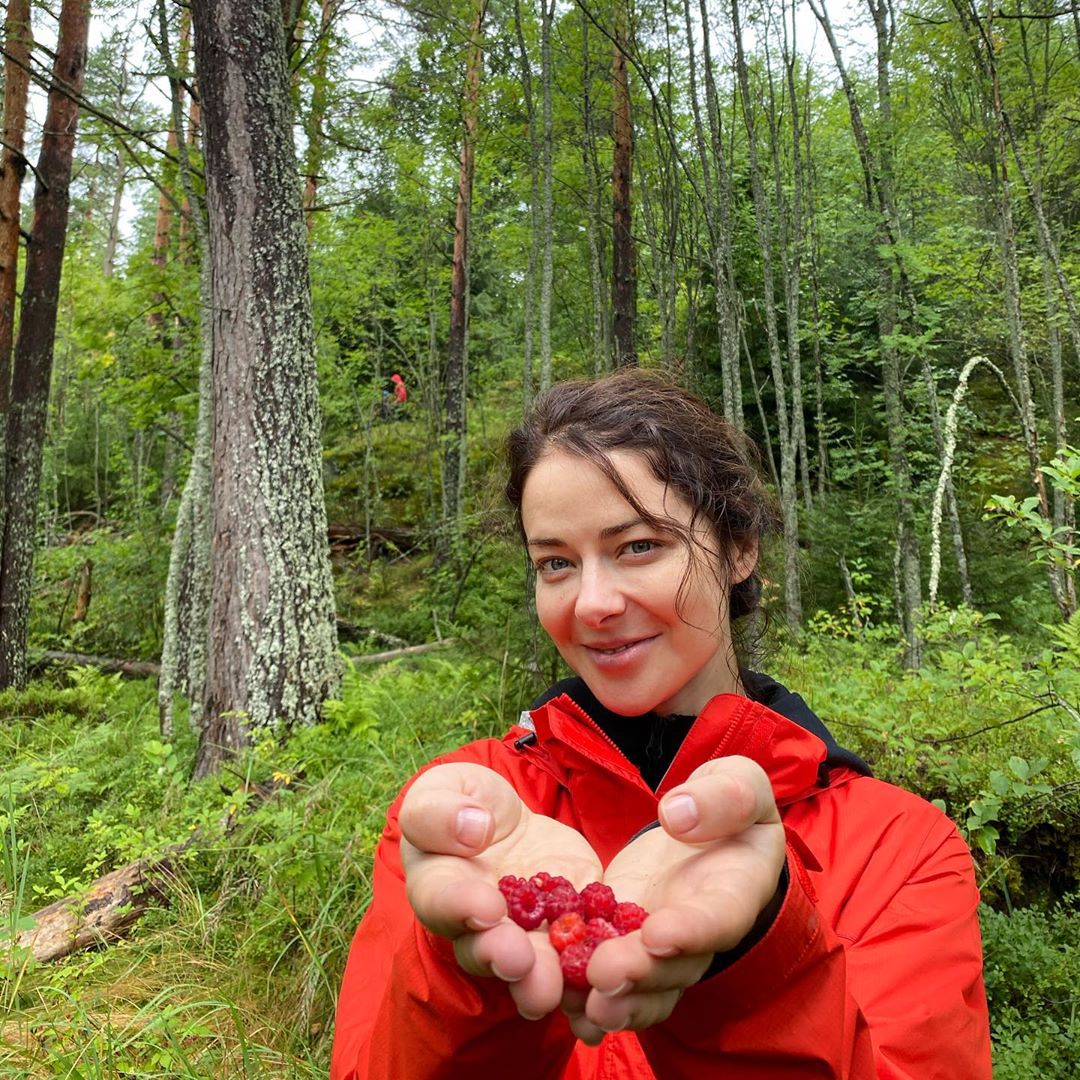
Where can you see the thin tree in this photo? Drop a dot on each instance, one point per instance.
(623, 260)
(33, 358)
(272, 637)
(456, 387)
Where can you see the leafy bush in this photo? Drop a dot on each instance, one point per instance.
(1032, 972)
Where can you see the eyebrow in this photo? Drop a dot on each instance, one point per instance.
(605, 534)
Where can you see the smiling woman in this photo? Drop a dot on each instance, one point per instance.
(804, 918)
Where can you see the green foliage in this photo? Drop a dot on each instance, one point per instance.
(1032, 971)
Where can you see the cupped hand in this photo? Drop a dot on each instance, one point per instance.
(706, 876)
(463, 828)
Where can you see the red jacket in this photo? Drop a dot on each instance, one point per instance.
(873, 967)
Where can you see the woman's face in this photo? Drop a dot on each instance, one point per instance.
(607, 587)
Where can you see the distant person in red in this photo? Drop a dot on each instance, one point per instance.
(401, 393)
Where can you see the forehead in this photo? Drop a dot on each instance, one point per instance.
(563, 484)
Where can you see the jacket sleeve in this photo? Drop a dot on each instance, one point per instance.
(901, 998)
(407, 1010)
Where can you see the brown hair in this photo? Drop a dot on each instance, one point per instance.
(702, 457)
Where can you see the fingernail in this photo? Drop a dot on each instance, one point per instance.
(529, 1016)
(681, 813)
(473, 923)
(499, 975)
(661, 951)
(472, 825)
(620, 989)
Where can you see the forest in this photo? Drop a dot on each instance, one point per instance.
(245, 591)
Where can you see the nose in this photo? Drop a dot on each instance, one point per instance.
(599, 595)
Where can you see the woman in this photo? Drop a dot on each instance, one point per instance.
(805, 918)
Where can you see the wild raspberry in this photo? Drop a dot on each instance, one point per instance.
(525, 906)
(597, 901)
(567, 930)
(597, 930)
(509, 884)
(560, 900)
(574, 962)
(545, 882)
(628, 917)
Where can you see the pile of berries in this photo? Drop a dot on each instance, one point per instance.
(577, 921)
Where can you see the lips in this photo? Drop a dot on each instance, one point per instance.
(615, 648)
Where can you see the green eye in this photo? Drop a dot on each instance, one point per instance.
(641, 547)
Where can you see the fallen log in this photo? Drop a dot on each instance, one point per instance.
(139, 669)
(102, 914)
(117, 900)
(409, 650)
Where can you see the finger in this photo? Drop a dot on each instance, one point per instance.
(459, 809)
(504, 951)
(715, 923)
(624, 965)
(633, 1012)
(721, 798)
(450, 899)
(573, 1004)
(540, 991)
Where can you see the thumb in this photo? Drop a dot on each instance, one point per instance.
(459, 809)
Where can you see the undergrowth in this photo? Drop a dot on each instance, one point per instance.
(237, 976)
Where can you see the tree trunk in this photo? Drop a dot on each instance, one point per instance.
(547, 207)
(17, 41)
(788, 496)
(316, 116)
(32, 368)
(457, 380)
(272, 638)
(529, 289)
(600, 349)
(623, 270)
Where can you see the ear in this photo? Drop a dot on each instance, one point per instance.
(744, 563)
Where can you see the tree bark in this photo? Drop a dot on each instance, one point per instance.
(455, 432)
(529, 289)
(17, 42)
(547, 203)
(272, 638)
(32, 368)
(600, 325)
(623, 260)
(785, 427)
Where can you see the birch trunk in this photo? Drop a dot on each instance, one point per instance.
(272, 636)
(600, 346)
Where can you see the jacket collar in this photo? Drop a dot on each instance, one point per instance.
(612, 802)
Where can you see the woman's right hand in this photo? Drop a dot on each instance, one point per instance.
(464, 827)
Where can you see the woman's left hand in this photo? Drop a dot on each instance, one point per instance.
(706, 877)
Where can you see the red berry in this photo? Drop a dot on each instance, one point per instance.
(545, 882)
(567, 930)
(525, 906)
(597, 930)
(597, 901)
(574, 961)
(560, 900)
(628, 917)
(509, 884)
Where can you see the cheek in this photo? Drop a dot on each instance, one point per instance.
(550, 610)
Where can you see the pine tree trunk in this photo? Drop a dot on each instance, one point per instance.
(456, 390)
(272, 636)
(33, 359)
(623, 268)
